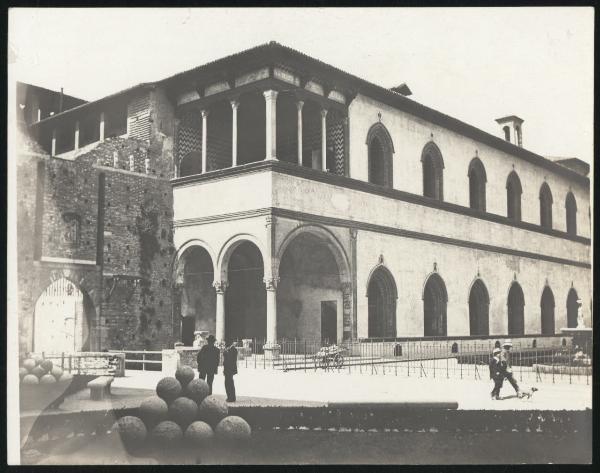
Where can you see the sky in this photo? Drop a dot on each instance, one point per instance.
(475, 64)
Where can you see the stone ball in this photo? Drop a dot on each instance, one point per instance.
(198, 433)
(66, 378)
(47, 365)
(168, 389)
(153, 410)
(167, 432)
(38, 371)
(183, 411)
(22, 373)
(30, 379)
(47, 379)
(184, 375)
(57, 372)
(29, 364)
(197, 390)
(38, 359)
(131, 430)
(233, 428)
(212, 409)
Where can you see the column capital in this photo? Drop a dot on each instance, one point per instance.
(299, 104)
(271, 283)
(204, 113)
(234, 104)
(220, 286)
(324, 112)
(270, 94)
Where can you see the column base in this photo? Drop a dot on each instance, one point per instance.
(272, 351)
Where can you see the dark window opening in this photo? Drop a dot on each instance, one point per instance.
(115, 120)
(545, 206)
(571, 208)
(433, 168)
(435, 300)
(513, 197)
(516, 310)
(547, 311)
(506, 133)
(477, 184)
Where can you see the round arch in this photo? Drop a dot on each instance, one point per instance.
(380, 149)
(435, 301)
(179, 255)
(382, 294)
(229, 247)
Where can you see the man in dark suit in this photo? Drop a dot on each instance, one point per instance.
(208, 361)
(497, 373)
(229, 369)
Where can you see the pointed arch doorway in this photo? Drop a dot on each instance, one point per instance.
(382, 295)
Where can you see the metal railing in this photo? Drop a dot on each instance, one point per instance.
(144, 360)
(87, 363)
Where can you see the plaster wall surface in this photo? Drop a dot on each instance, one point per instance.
(410, 134)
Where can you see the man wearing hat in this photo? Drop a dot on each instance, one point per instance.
(505, 358)
(208, 361)
(497, 372)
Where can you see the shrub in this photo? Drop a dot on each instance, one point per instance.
(168, 389)
(212, 410)
(233, 428)
(183, 411)
(198, 433)
(154, 410)
(131, 429)
(167, 432)
(184, 375)
(197, 390)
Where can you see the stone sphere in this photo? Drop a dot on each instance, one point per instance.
(38, 371)
(38, 359)
(183, 411)
(48, 379)
(167, 432)
(197, 390)
(168, 389)
(30, 379)
(233, 428)
(131, 429)
(212, 409)
(57, 372)
(184, 375)
(22, 373)
(29, 364)
(198, 433)
(66, 378)
(47, 365)
(153, 410)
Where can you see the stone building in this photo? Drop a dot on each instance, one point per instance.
(270, 195)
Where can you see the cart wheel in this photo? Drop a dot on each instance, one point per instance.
(339, 361)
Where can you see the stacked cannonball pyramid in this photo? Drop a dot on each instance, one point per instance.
(181, 410)
(37, 370)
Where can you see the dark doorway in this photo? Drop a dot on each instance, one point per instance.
(572, 306)
(246, 297)
(328, 322)
(382, 295)
(479, 305)
(434, 303)
(188, 326)
(547, 307)
(516, 308)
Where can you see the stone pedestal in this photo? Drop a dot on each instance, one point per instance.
(582, 337)
(247, 346)
(272, 351)
(170, 362)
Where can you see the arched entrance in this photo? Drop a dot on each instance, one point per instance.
(198, 300)
(382, 294)
(435, 300)
(62, 319)
(516, 310)
(479, 305)
(572, 307)
(309, 294)
(547, 308)
(246, 297)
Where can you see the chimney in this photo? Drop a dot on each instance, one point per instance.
(60, 101)
(512, 129)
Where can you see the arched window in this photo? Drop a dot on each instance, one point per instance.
(545, 206)
(433, 172)
(547, 309)
(382, 295)
(435, 300)
(571, 207)
(479, 305)
(381, 150)
(572, 307)
(513, 197)
(477, 182)
(516, 310)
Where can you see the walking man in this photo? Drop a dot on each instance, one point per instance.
(229, 369)
(208, 361)
(505, 358)
(497, 373)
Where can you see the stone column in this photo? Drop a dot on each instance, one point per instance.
(347, 310)
(324, 139)
(220, 288)
(271, 348)
(53, 143)
(76, 135)
(299, 105)
(204, 147)
(234, 107)
(102, 126)
(271, 123)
